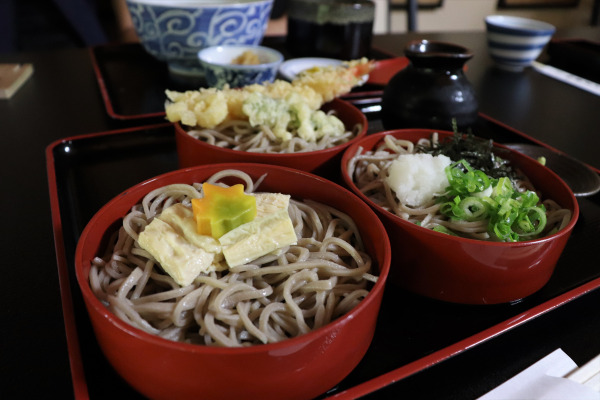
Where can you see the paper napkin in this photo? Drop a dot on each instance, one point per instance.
(544, 380)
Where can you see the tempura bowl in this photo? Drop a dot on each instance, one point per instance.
(470, 271)
(192, 151)
(297, 368)
(174, 31)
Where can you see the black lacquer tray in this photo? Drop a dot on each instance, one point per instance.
(413, 333)
(133, 83)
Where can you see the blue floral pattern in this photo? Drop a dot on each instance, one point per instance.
(175, 35)
(218, 76)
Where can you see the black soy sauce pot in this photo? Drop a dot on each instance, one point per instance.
(432, 91)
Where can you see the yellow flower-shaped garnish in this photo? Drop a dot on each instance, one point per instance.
(222, 209)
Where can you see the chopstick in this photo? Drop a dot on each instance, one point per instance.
(362, 95)
(367, 101)
(588, 374)
(567, 77)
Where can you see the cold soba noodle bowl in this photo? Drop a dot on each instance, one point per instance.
(456, 186)
(274, 118)
(233, 299)
(331, 277)
(457, 215)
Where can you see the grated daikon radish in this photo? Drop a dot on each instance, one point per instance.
(417, 178)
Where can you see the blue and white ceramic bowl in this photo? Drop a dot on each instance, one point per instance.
(515, 42)
(174, 31)
(219, 69)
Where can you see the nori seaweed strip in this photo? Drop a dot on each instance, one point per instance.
(477, 152)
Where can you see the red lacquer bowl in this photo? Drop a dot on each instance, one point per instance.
(192, 151)
(298, 368)
(470, 271)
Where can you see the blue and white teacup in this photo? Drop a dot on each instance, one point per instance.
(515, 42)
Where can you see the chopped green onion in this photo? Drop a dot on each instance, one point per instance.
(513, 216)
(532, 221)
(443, 229)
(465, 180)
(469, 209)
(542, 160)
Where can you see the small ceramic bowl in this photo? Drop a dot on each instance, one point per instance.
(470, 271)
(515, 42)
(174, 31)
(302, 367)
(192, 151)
(220, 69)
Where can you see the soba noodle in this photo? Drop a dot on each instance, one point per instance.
(275, 297)
(368, 170)
(240, 135)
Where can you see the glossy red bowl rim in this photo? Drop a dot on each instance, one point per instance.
(350, 151)
(125, 328)
(266, 157)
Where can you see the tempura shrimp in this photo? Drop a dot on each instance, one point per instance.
(334, 81)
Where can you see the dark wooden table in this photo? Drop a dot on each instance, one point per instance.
(62, 99)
